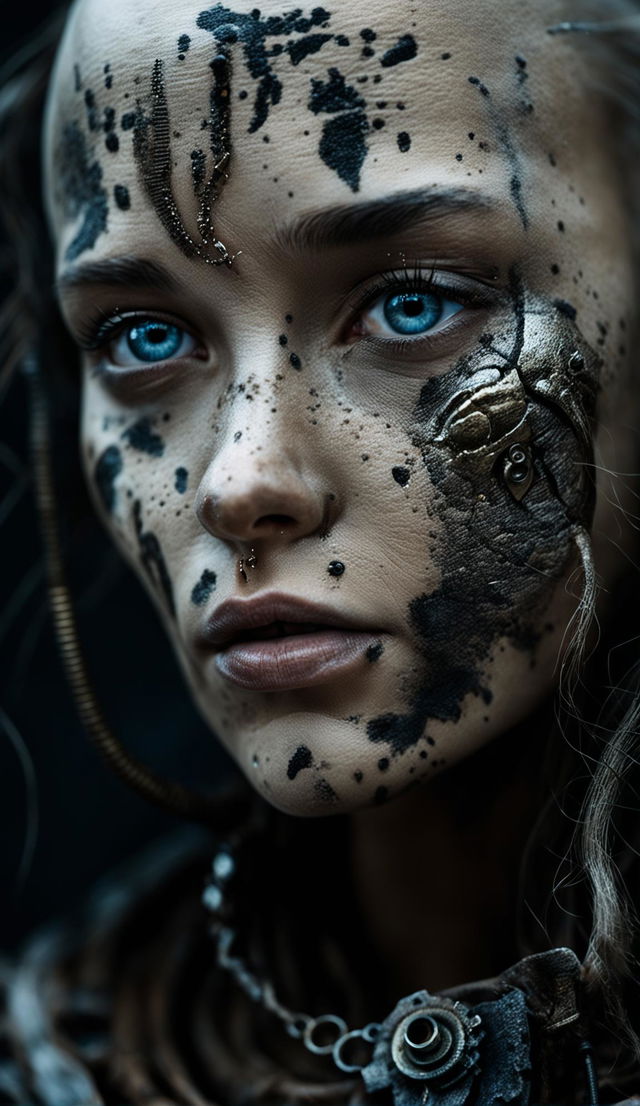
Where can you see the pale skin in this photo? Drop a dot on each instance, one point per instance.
(287, 421)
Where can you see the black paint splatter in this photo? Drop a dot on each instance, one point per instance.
(336, 568)
(342, 144)
(401, 475)
(374, 652)
(252, 31)
(181, 479)
(204, 588)
(142, 436)
(295, 361)
(301, 49)
(83, 193)
(152, 558)
(121, 196)
(405, 49)
(108, 468)
(128, 120)
(184, 42)
(302, 758)
(404, 142)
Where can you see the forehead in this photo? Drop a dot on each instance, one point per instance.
(327, 100)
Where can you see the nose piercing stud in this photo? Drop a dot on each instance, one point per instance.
(250, 561)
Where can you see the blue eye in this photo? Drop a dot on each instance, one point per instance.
(150, 341)
(409, 313)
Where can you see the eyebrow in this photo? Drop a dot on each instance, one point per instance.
(342, 225)
(350, 224)
(119, 272)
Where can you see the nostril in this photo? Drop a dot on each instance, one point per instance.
(274, 520)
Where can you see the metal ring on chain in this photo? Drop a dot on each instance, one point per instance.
(346, 1042)
(324, 1021)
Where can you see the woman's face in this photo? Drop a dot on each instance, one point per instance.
(347, 287)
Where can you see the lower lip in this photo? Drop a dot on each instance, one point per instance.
(287, 663)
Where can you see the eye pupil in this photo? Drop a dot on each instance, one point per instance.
(154, 341)
(413, 312)
(413, 306)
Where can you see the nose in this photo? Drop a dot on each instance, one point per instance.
(252, 498)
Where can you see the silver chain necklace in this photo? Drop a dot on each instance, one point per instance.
(436, 1036)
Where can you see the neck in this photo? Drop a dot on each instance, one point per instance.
(436, 870)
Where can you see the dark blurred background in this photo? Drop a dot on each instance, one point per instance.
(63, 818)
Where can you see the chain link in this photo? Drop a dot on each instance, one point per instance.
(311, 1031)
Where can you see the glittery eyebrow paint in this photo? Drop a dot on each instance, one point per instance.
(152, 152)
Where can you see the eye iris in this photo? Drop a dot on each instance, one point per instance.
(154, 341)
(412, 312)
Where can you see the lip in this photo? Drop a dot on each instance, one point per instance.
(239, 633)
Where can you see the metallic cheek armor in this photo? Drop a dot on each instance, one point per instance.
(509, 421)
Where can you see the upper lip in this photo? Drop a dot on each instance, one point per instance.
(235, 619)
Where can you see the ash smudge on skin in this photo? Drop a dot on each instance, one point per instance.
(142, 436)
(301, 759)
(83, 193)
(509, 150)
(324, 791)
(405, 49)
(152, 558)
(204, 588)
(518, 550)
(181, 479)
(107, 469)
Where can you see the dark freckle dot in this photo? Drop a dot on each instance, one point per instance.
(374, 652)
(472, 135)
(381, 795)
(295, 361)
(381, 104)
(242, 95)
(401, 475)
(555, 269)
(306, 133)
(336, 568)
(404, 142)
(423, 754)
(445, 57)
(357, 776)
(458, 157)
(301, 759)
(181, 479)
(290, 195)
(383, 764)
(265, 138)
(377, 124)
(400, 105)
(121, 196)
(283, 339)
(112, 142)
(560, 226)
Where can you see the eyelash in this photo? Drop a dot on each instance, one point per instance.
(99, 330)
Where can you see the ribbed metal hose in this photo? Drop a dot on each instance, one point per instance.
(165, 793)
